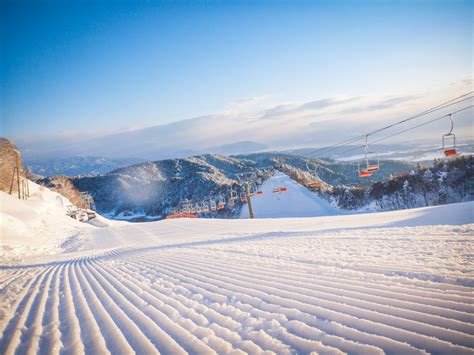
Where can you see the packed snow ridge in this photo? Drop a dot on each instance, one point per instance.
(395, 282)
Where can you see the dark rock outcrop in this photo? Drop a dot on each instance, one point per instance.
(10, 158)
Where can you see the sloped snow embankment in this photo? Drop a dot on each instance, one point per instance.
(396, 282)
(35, 226)
(39, 225)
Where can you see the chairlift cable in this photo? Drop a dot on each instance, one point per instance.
(446, 104)
(409, 129)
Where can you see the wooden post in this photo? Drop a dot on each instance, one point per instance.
(13, 179)
(24, 188)
(249, 201)
(18, 177)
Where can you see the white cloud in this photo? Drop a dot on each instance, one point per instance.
(279, 125)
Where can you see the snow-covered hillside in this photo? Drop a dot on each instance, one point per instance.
(297, 201)
(396, 282)
(149, 191)
(38, 225)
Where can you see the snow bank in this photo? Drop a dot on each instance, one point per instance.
(35, 226)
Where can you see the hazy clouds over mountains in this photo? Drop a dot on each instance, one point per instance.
(257, 124)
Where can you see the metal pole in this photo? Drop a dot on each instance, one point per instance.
(249, 201)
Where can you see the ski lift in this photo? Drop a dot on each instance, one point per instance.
(199, 207)
(314, 182)
(233, 196)
(363, 172)
(243, 197)
(373, 168)
(213, 206)
(220, 203)
(370, 166)
(449, 141)
(254, 190)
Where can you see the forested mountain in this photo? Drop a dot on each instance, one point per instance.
(149, 191)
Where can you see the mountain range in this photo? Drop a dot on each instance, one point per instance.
(150, 190)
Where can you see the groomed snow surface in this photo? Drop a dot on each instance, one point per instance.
(397, 282)
(297, 201)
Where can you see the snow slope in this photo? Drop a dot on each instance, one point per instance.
(298, 201)
(38, 225)
(396, 282)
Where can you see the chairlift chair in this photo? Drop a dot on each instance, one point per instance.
(213, 206)
(370, 166)
(253, 190)
(221, 205)
(374, 167)
(256, 190)
(199, 207)
(233, 197)
(278, 189)
(314, 182)
(363, 172)
(449, 141)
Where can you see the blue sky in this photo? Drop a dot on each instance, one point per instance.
(67, 66)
